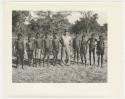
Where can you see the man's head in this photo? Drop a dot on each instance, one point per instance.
(19, 36)
(76, 34)
(46, 34)
(92, 35)
(65, 32)
(83, 36)
(100, 37)
(54, 35)
(29, 38)
(37, 35)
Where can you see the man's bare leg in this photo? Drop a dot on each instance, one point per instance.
(77, 57)
(74, 55)
(93, 56)
(98, 60)
(17, 59)
(44, 58)
(101, 60)
(85, 58)
(81, 57)
(90, 57)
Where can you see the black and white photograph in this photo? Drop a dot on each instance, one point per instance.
(59, 46)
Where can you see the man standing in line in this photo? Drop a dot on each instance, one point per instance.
(29, 49)
(100, 49)
(92, 43)
(37, 49)
(19, 47)
(55, 46)
(46, 47)
(76, 47)
(66, 44)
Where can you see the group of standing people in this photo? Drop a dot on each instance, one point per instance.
(37, 47)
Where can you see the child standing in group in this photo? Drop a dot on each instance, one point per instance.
(76, 47)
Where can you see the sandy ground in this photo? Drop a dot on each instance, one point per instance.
(75, 73)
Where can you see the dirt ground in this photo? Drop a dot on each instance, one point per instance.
(75, 73)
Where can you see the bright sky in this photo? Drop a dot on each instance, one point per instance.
(102, 17)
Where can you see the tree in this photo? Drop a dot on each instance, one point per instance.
(87, 23)
(51, 22)
(18, 19)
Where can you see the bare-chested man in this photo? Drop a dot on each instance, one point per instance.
(55, 46)
(37, 49)
(100, 49)
(19, 47)
(29, 48)
(76, 47)
(83, 48)
(92, 43)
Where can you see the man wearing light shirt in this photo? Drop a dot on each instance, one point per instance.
(66, 43)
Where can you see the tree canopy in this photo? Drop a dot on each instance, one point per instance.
(55, 22)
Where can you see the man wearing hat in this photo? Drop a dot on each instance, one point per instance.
(66, 44)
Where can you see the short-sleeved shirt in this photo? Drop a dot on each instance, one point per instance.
(92, 43)
(66, 40)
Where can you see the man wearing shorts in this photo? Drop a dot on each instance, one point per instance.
(92, 43)
(76, 47)
(55, 46)
(37, 49)
(47, 48)
(100, 50)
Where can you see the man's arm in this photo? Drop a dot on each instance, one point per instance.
(86, 47)
(27, 46)
(23, 44)
(70, 42)
(88, 41)
(61, 41)
(79, 43)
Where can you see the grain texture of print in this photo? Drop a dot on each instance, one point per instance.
(59, 46)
